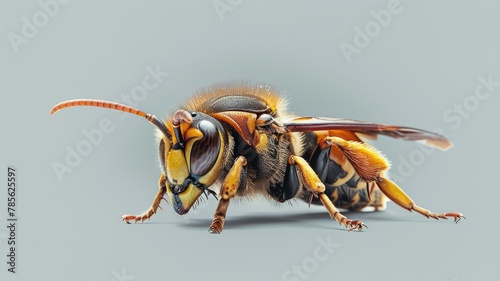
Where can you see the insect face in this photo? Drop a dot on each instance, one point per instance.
(193, 159)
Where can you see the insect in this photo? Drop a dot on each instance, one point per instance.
(238, 141)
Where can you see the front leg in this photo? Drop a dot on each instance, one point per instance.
(234, 181)
(314, 185)
(154, 206)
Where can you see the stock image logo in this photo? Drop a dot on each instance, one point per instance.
(321, 253)
(364, 36)
(223, 7)
(31, 26)
(95, 136)
(121, 275)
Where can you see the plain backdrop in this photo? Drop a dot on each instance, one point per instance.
(414, 63)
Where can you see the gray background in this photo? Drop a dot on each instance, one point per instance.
(415, 70)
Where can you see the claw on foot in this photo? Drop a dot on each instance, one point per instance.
(350, 224)
(354, 225)
(216, 226)
(456, 216)
(341, 219)
(127, 218)
(145, 216)
(214, 230)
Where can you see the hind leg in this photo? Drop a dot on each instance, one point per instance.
(398, 196)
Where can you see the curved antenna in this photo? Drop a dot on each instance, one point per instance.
(116, 106)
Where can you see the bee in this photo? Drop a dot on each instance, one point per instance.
(235, 141)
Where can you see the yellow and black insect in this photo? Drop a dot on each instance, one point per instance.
(238, 141)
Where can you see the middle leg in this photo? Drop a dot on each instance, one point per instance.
(314, 185)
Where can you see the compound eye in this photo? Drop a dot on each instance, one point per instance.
(205, 151)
